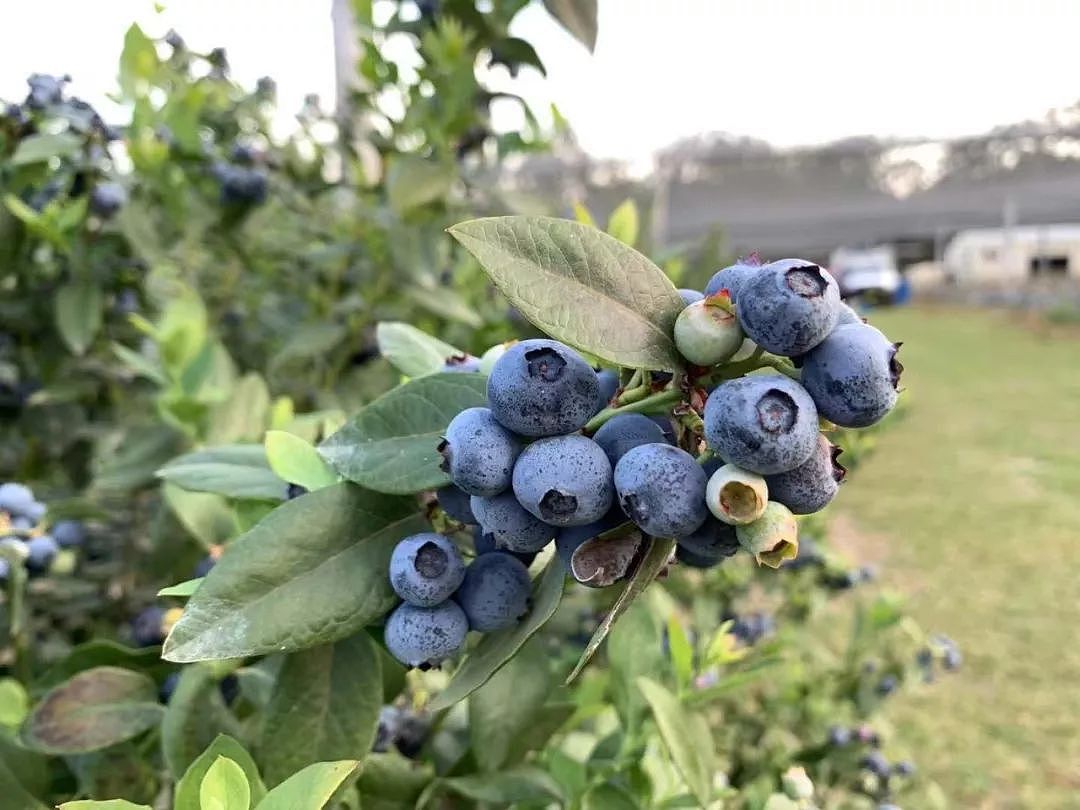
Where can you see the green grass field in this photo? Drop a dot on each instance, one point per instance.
(971, 502)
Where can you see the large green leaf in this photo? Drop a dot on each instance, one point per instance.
(578, 17)
(580, 286)
(310, 789)
(187, 789)
(78, 314)
(295, 460)
(225, 787)
(505, 707)
(312, 572)
(93, 710)
(196, 717)
(635, 648)
(232, 470)
(521, 784)
(651, 564)
(391, 444)
(410, 350)
(414, 181)
(691, 750)
(329, 697)
(40, 148)
(495, 649)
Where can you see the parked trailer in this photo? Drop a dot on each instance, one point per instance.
(999, 255)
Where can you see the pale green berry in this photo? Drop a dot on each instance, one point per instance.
(772, 538)
(488, 358)
(707, 332)
(736, 496)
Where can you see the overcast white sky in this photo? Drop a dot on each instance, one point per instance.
(789, 71)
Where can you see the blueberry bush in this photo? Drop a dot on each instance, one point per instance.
(326, 488)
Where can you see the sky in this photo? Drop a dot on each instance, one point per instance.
(792, 72)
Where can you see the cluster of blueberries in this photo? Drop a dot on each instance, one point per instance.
(873, 761)
(403, 729)
(525, 473)
(24, 535)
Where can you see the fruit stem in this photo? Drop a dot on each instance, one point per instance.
(653, 402)
(759, 359)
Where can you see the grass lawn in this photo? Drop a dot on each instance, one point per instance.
(972, 503)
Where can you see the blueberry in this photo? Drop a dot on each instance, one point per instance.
(564, 480)
(813, 484)
(168, 687)
(147, 628)
(294, 491)
(662, 489)
(853, 376)
(244, 154)
(887, 685)
(513, 528)
(714, 541)
(203, 567)
(45, 90)
(240, 185)
(690, 296)
(107, 198)
(952, 659)
(839, 736)
(426, 569)
(412, 733)
(461, 364)
(542, 388)
(34, 511)
(23, 524)
(925, 658)
(667, 427)
(789, 306)
(16, 499)
(736, 496)
(876, 763)
(484, 543)
(229, 688)
(904, 768)
(626, 431)
(763, 423)
(174, 40)
(389, 723)
(848, 315)
(753, 627)
(42, 550)
(706, 333)
(479, 453)
(732, 278)
(425, 636)
(266, 87)
(495, 593)
(609, 385)
(772, 538)
(455, 503)
(695, 560)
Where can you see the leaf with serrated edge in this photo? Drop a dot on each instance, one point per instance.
(495, 649)
(651, 565)
(313, 571)
(411, 351)
(391, 445)
(580, 286)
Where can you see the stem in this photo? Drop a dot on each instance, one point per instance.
(18, 620)
(653, 402)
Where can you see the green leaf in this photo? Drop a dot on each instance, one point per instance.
(243, 415)
(414, 181)
(692, 754)
(310, 789)
(196, 717)
(513, 52)
(99, 653)
(391, 445)
(330, 698)
(495, 649)
(78, 314)
(309, 341)
(580, 286)
(608, 797)
(312, 572)
(133, 463)
(206, 516)
(582, 215)
(188, 788)
(682, 654)
(138, 61)
(182, 589)
(505, 707)
(391, 777)
(16, 797)
(139, 364)
(521, 784)
(109, 804)
(91, 711)
(295, 460)
(651, 565)
(40, 148)
(411, 351)
(224, 787)
(14, 702)
(635, 648)
(623, 223)
(578, 17)
(546, 722)
(232, 470)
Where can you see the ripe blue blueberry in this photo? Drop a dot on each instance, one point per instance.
(564, 480)
(714, 541)
(148, 627)
(662, 489)
(789, 306)
(168, 687)
(425, 636)
(763, 423)
(839, 736)
(542, 388)
(690, 296)
(495, 593)
(904, 768)
(479, 453)
(848, 315)
(809, 487)
(876, 763)
(461, 364)
(622, 433)
(426, 569)
(887, 685)
(203, 567)
(609, 384)
(732, 278)
(107, 198)
(41, 552)
(695, 560)
(853, 376)
(455, 503)
(16, 499)
(513, 528)
(484, 543)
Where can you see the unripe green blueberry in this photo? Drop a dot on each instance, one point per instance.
(488, 358)
(736, 496)
(707, 332)
(772, 538)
